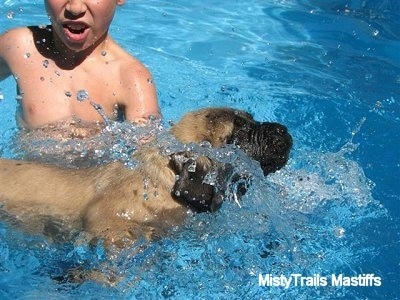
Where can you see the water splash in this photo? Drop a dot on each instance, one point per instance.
(315, 178)
(80, 144)
(10, 15)
(308, 218)
(304, 219)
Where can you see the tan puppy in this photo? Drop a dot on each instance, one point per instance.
(119, 204)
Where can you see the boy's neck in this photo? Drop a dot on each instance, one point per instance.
(50, 46)
(70, 58)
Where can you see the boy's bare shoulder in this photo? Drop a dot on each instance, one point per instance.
(129, 64)
(16, 39)
(126, 59)
(19, 34)
(136, 67)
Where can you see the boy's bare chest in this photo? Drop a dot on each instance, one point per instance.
(51, 94)
(97, 79)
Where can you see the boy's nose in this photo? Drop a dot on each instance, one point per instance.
(76, 7)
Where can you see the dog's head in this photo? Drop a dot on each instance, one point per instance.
(268, 143)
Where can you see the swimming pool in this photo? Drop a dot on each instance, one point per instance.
(331, 73)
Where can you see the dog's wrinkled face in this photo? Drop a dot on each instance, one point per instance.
(268, 143)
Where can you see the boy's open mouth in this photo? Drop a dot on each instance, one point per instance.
(76, 32)
(76, 28)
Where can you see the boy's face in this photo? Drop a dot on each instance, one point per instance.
(79, 24)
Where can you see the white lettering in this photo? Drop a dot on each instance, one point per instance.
(336, 281)
(263, 281)
(361, 280)
(287, 281)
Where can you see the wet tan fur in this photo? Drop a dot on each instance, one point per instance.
(111, 201)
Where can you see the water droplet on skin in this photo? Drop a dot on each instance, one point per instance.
(45, 63)
(27, 55)
(96, 106)
(68, 94)
(82, 95)
(57, 73)
(150, 80)
(103, 53)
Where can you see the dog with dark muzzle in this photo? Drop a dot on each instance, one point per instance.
(118, 204)
(266, 142)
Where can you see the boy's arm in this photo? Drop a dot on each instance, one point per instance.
(141, 99)
(14, 43)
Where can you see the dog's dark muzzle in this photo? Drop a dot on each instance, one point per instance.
(268, 143)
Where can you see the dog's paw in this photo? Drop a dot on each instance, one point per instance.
(194, 186)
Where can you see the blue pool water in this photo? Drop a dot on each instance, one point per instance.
(330, 71)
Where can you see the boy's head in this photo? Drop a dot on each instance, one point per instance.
(80, 24)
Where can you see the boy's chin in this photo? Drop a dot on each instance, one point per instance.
(77, 47)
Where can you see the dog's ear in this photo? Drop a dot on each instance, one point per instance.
(191, 187)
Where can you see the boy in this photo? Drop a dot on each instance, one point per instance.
(63, 69)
